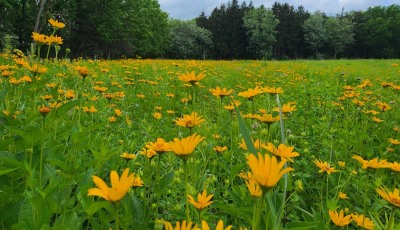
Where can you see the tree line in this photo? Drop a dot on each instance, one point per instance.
(132, 28)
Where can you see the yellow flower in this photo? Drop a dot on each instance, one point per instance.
(44, 110)
(92, 109)
(266, 170)
(202, 200)
(257, 144)
(112, 119)
(287, 108)
(128, 156)
(339, 219)
(185, 146)
(220, 226)
(149, 153)
(179, 226)
(40, 38)
(342, 164)
(160, 146)
(283, 151)
(362, 221)
(190, 121)
(220, 149)
(383, 106)
(119, 186)
(218, 92)
(394, 166)
(391, 197)
(377, 120)
(343, 195)
(272, 90)
(157, 115)
(82, 70)
(250, 93)
(254, 188)
(118, 112)
(56, 24)
(325, 167)
(191, 77)
(267, 118)
(394, 141)
(374, 163)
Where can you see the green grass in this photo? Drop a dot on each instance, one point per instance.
(51, 192)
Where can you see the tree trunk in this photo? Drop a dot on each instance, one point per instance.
(41, 7)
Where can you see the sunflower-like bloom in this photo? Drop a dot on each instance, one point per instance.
(92, 109)
(395, 166)
(160, 146)
(185, 146)
(254, 188)
(377, 119)
(50, 40)
(220, 226)
(257, 144)
(56, 24)
(119, 186)
(191, 77)
(44, 110)
(190, 121)
(251, 93)
(391, 197)
(82, 70)
(394, 141)
(221, 93)
(272, 90)
(374, 163)
(362, 221)
(343, 195)
(267, 118)
(178, 226)
(202, 200)
(325, 167)
(339, 219)
(128, 156)
(383, 106)
(149, 153)
(266, 170)
(220, 149)
(287, 108)
(40, 38)
(283, 151)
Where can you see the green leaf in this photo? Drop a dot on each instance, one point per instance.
(9, 159)
(236, 212)
(69, 220)
(302, 225)
(96, 206)
(7, 171)
(164, 182)
(245, 133)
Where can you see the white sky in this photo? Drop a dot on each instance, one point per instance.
(189, 9)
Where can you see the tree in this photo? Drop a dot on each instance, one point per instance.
(315, 33)
(188, 41)
(339, 33)
(260, 24)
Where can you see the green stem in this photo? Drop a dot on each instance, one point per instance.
(257, 212)
(157, 178)
(116, 216)
(41, 153)
(186, 189)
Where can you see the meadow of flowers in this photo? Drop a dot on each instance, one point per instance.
(180, 144)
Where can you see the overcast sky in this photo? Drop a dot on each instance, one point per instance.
(189, 9)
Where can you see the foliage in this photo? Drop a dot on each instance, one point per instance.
(188, 41)
(261, 27)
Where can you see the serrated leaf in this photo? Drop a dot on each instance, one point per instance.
(236, 212)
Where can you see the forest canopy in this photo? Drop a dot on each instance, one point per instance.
(140, 28)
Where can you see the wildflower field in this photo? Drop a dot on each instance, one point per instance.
(153, 144)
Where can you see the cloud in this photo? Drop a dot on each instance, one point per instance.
(189, 9)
